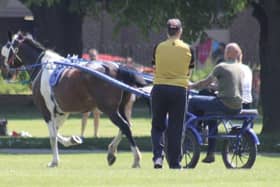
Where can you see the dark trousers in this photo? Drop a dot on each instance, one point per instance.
(168, 101)
(201, 105)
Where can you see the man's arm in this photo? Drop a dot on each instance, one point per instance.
(203, 83)
(154, 55)
(191, 66)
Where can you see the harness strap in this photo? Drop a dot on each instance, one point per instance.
(34, 73)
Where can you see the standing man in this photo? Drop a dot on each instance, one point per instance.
(172, 59)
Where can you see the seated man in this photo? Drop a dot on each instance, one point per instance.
(228, 77)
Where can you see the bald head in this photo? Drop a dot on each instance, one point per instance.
(233, 52)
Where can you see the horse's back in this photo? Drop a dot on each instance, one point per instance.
(79, 91)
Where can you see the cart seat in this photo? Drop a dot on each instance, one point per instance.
(249, 112)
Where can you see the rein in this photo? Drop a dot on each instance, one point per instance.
(30, 67)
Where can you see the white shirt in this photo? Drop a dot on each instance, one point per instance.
(247, 84)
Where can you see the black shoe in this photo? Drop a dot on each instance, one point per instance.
(209, 158)
(158, 163)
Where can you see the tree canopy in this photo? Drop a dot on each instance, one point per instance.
(151, 15)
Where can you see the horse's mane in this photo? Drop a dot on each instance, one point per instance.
(34, 43)
(30, 40)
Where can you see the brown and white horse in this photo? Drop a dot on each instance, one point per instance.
(77, 91)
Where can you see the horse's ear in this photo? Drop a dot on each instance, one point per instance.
(10, 36)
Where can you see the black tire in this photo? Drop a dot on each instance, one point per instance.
(239, 154)
(191, 150)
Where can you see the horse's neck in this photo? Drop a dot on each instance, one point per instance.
(51, 56)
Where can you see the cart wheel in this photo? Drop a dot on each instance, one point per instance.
(191, 150)
(239, 153)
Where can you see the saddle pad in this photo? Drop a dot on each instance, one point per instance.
(56, 74)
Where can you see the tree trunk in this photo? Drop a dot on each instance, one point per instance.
(58, 28)
(267, 13)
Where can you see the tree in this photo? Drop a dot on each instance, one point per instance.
(267, 12)
(196, 15)
(58, 24)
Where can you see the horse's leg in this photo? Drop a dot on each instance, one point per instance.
(53, 142)
(65, 141)
(124, 126)
(69, 141)
(113, 146)
(53, 125)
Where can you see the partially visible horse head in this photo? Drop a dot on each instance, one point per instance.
(10, 50)
(11, 53)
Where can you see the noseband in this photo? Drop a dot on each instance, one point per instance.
(15, 50)
(13, 47)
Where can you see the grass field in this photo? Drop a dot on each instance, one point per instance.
(31, 121)
(91, 169)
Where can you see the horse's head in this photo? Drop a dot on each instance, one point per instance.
(10, 51)
(18, 51)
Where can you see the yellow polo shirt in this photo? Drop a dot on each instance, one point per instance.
(172, 61)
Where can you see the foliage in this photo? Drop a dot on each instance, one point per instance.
(81, 6)
(201, 73)
(18, 86)
(196, 15)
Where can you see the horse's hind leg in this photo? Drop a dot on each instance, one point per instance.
(112, 148)
(124, 126)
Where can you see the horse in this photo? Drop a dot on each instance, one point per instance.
(76, 91)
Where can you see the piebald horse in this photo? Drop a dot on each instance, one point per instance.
(76, 92)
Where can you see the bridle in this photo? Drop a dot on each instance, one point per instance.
(11, 48)
(10, 52)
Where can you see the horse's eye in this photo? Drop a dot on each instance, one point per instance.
(8, 45)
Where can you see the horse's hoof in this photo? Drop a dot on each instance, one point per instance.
(111, 159)
(52, 165)
(76, 140)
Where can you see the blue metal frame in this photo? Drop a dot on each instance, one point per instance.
(245, 127)
(107, 78)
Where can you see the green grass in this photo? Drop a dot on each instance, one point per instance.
(38, 128)
(28, 119)
(91, 169)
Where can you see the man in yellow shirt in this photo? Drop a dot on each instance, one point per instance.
(172, 59)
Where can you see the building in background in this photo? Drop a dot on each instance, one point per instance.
(99, 34)
(14, 16)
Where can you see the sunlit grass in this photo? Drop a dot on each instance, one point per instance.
(38, 128)
(91, 169)
(141, 125)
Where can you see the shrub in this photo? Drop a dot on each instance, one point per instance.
(19, 86)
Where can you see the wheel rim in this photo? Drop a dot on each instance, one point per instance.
(188, 150)
(238, 153)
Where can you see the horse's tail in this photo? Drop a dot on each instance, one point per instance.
(131, 77)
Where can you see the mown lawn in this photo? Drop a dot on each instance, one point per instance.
(91, 169)
(31, 121)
